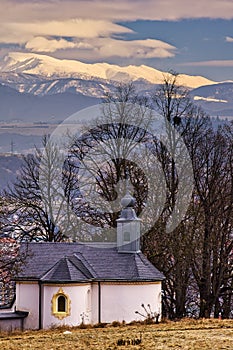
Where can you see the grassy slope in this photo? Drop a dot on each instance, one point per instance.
(185, 335)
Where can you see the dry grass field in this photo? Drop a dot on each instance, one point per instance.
(185, 335)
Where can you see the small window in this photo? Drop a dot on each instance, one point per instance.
(126, 236)
(60, 304)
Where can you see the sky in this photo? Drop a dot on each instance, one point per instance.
(191, 37)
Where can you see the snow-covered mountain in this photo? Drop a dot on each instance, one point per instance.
(216, 99)
(65, 85)
(49, 68)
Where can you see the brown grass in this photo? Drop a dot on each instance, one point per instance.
(185, 335)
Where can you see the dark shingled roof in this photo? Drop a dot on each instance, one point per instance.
(70, 262)
(13, 315)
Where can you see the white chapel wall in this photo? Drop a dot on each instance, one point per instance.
(78, 295)
(94, 303)
(27, 299)
(120, 301)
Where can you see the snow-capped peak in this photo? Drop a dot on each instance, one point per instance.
(46, 66)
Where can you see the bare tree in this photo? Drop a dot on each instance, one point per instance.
(212, 258)
(106, 154)
(171, 251)
(10, 263)
(36, 201)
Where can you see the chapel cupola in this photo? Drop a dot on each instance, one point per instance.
(128, 227)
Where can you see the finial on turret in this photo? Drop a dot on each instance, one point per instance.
(128, 201)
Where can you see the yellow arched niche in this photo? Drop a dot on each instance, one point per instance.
(60, 304)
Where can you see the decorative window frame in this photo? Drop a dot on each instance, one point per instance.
(60, 314)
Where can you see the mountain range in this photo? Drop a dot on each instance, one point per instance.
(38, 91)
(42, 88)
(49, 67)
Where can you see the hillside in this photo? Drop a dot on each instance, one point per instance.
(186, 335)
(25, 107)
(215, 99)
(9, 168)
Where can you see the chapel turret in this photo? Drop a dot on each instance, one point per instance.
(128, 227)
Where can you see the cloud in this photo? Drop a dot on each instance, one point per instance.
(92, 28)
(81, 28)
(212, 63)
(104, 47)
(229, 39)
(121, 10)
(41, 44)
(99, 38)
(148, 48)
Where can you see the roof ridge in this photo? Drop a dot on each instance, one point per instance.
(66, 260)
(50, 269)
(56, 268)
(145, 261)
(92, 270)
(85, 267)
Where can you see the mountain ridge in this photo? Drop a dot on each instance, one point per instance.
(76, 85)
(50, 67)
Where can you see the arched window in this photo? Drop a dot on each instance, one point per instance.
(60, 304)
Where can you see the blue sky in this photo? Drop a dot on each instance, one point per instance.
(196, 41)
(185, 36)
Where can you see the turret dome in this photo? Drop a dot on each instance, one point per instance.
(128, 201)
